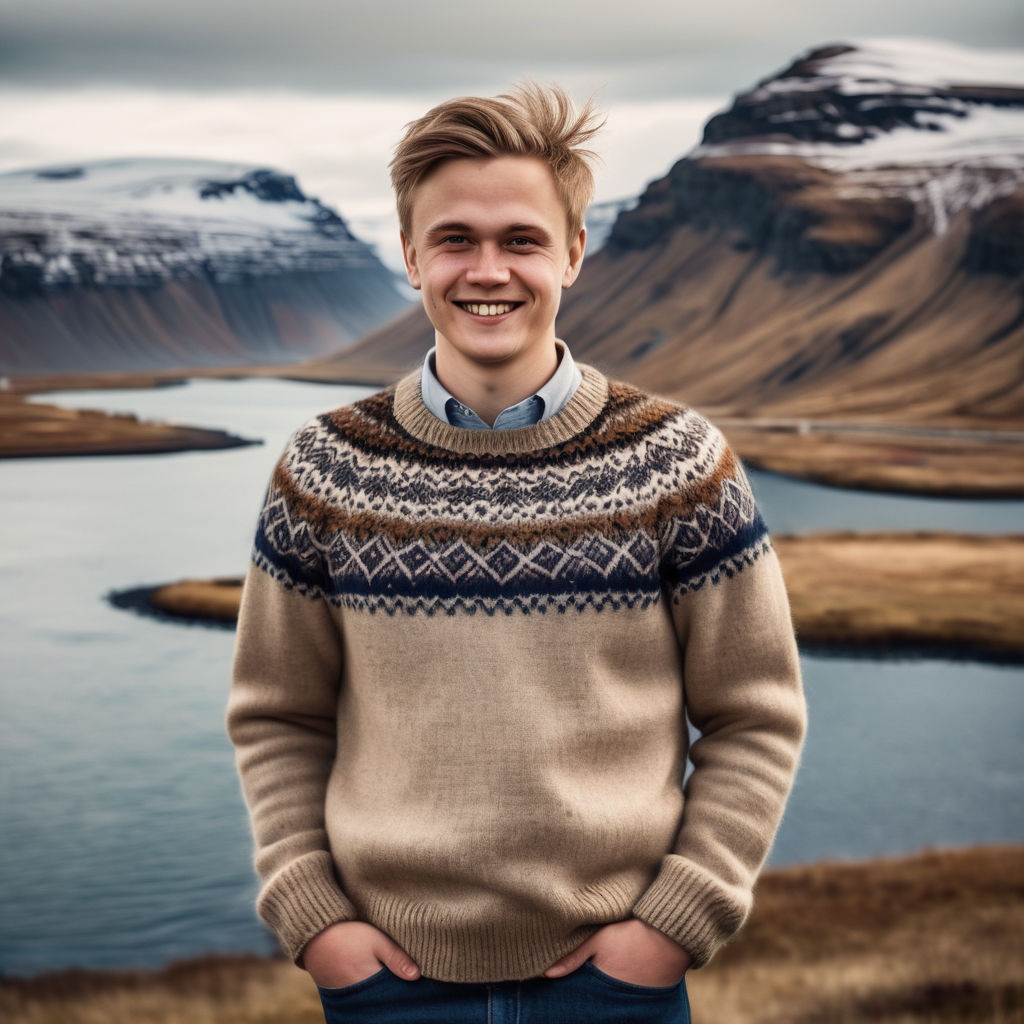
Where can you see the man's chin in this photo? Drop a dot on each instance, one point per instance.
(492, 351)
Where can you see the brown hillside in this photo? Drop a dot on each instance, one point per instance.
(914, 334)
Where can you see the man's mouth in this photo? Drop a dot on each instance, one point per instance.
(488, 308)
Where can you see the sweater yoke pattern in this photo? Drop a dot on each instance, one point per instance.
(645, 501)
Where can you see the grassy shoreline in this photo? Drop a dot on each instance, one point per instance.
(37, 430)
(895, 592)
(889, 461)
(934, 937)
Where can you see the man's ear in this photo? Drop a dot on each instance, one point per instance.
(576, 251)
(412, 271)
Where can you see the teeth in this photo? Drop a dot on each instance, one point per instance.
(487, 309)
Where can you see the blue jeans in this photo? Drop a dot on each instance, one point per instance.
(587, 996)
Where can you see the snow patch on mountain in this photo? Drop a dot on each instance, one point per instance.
(905, 64)
(938, 123)
(164, 188)
(130, 221)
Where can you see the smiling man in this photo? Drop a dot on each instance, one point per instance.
(488, 243)
(481, 607)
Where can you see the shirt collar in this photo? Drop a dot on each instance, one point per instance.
(542, 405)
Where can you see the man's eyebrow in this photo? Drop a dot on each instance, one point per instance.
(526, 229)
(450, 228)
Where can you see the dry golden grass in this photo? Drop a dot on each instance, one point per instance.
(934, 938)
(886, 462)
(204, 599)
(208, 990)
(30, 429)
(930, 939)
(895, 590)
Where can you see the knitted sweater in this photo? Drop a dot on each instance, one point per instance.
(458, 700)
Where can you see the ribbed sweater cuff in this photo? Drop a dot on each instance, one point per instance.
(302, 900)
(691, 908)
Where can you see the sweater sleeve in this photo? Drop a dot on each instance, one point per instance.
(282, 720)
(743, 693)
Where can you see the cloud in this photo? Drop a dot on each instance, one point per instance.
(394, 46)
(339, 146)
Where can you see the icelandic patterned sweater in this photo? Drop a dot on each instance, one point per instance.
(464, 665)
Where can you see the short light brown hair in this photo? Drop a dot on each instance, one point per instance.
(532, 120)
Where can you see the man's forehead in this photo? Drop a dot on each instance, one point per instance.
(496, 193)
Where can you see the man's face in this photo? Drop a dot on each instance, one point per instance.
(487, 245)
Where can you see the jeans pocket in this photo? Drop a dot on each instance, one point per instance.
(628, 986)
(356, 986)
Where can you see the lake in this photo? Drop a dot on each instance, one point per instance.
(125, 840)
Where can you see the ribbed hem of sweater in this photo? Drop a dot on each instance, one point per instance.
(302, 900)
(511, 948)
(692, 909)
(580, 411)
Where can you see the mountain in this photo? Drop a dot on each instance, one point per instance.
(149, 263)
(847, 241)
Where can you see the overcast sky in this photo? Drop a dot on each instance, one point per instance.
(322, 88)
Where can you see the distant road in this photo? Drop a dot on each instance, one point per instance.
(803, 426)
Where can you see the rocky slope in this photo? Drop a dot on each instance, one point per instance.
(147, 263)
(846, 242)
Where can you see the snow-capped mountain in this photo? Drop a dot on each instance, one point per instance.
(140, 263)
(920, 130)
(846, 241)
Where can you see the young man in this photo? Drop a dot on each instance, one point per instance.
(480, 607)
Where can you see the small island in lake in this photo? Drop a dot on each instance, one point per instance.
(34, 430)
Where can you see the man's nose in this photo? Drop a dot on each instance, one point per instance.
(489, 267)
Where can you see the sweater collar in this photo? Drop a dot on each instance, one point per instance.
(575, 416)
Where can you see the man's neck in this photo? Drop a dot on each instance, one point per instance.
(490, 388)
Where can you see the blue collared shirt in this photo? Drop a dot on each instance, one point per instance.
(549, 400)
